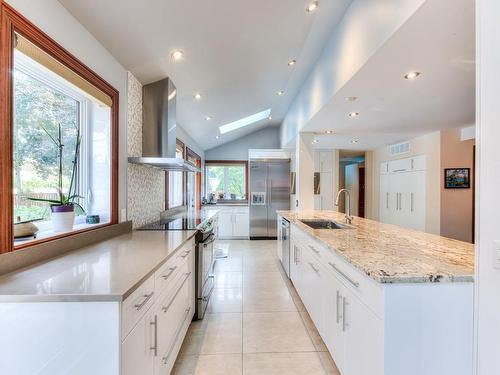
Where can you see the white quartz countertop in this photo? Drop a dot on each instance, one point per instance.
(107, 271)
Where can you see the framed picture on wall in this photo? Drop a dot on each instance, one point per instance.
(457, 178)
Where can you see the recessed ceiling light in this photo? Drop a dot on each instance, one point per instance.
(208, 118)
(314, 141)
(311, 7)
(244, 121)
(329, 132)
(197, 96)
(411, 75)
(216, 137)
(351, 98)
(354, 114)
(292, 62)
(354, 141)
(280, 93)
(270, 118)
(177, 55)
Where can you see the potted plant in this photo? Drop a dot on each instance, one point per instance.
(63, 209)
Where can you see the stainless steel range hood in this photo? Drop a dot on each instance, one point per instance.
(158, 128)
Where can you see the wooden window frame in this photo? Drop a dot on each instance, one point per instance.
(178, 142)
(241, 162)
(197, 192)
(12, 22)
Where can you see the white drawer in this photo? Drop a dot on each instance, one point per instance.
(368, 290)
(136, 305)
(168, 272)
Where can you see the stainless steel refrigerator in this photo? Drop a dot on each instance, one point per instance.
(269, 192)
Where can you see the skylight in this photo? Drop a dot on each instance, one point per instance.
(244, 121)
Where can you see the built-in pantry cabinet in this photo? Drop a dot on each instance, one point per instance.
(402, 199)
(372, 328)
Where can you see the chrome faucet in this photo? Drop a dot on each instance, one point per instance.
(348, 217)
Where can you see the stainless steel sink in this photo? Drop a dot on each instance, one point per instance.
(325, 224)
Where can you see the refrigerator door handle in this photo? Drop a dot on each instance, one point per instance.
(270, 192)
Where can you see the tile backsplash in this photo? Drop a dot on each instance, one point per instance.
(145, 185)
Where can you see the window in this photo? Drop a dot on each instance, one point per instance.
(175, 181)
(58, 155)
(226, 180)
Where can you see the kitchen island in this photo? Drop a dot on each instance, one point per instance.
(385, 299)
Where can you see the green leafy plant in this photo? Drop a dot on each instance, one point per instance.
(69, 198)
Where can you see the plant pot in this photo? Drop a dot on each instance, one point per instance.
(63, 217)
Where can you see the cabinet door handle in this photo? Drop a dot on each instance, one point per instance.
(314, 268)
(411, 202)
(344, 324)
(339, 271)
(400, 201)
(397, 201)
(171, 271)
(313, 249)
(337, 306)
(412, 164)
(154, 323)
(147, 297)
(387, 200)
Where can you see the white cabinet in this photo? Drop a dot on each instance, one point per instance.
(138, 358)
(382, 329)
(240, 224)
(151, 346)
(225, 224)
(324, 165)
(402, 199)
(323, 160)
(233, 222)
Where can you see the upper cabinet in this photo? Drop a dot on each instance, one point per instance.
(416, 163)
(323, 161)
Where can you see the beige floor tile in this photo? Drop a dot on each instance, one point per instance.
(282, 364)
(215, 334)
(328, 363)
(229, 265)
(275, 332)
(228, 280)
(318, 342)
(218, 364)
(259, 265)
(259, 280)
(226, 301)
(273, 298)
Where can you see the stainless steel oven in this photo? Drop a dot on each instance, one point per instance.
(205, 262)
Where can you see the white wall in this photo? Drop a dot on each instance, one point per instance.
(488, 197)
(365, 27)
(60, 25)
(266, 138)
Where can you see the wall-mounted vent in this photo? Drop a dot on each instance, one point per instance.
(399, 148)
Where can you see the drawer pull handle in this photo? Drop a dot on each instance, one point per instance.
(354, 283)
(154, 323)
(314, 249)
(186, 253)
(147, 297)
(171, 271)
(165, 308)
(314, 268)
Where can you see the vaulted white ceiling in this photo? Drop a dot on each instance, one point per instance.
(438, 41)
(235, 52)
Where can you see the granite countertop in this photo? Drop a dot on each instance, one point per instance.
(392, 254)
(107, 271)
